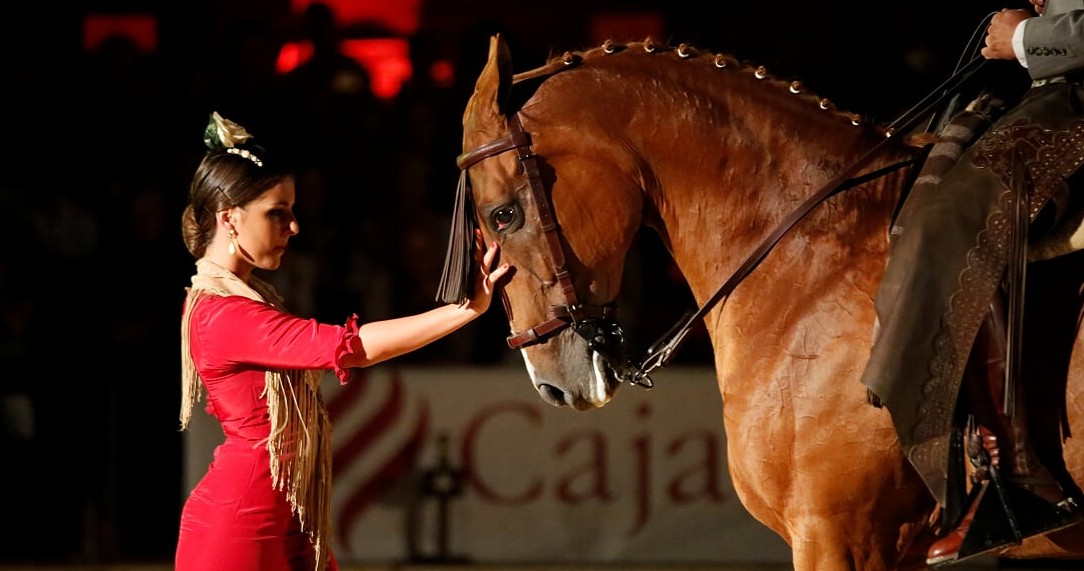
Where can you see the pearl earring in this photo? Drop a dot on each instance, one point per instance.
(232, 248)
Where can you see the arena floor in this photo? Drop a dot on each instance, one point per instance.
(979, 564)
(982, 565)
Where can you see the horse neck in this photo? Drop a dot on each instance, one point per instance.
(760, 185)
(729, 165)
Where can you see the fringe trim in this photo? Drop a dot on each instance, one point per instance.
(300, 448)
(191, 384)
(299, 444)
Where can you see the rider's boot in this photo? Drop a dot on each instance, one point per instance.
(1013, 496)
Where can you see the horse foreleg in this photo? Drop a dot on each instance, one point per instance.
(840, 494)
(866, 538)
(819, 544)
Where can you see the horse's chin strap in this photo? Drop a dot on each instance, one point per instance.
(560, 317)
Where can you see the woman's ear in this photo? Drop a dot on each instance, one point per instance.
(224, 218)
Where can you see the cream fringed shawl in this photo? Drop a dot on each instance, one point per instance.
(300, 439)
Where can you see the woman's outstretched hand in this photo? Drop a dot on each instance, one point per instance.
(388, 338)
(488, 276)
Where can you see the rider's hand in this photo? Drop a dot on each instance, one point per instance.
(999, 34)
(1039, 5)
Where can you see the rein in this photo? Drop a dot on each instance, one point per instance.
(596, 324)
(660, 353)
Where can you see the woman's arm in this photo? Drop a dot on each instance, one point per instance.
(383, 340)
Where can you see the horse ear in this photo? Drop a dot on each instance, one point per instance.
(503, 57)
(492, 89)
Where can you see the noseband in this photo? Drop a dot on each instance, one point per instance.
(597, 324)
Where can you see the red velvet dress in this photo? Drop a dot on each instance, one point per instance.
(233, 520)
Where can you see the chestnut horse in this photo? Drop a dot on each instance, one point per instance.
(567, 161)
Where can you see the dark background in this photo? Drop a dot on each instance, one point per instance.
(100, 146)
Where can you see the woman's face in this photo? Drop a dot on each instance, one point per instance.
(265, 225)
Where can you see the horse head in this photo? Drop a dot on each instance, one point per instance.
(567, 246)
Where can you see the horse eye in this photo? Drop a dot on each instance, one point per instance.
(504, 217)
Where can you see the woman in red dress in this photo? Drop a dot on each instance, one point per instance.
(264, 502)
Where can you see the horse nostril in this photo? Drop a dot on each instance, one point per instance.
(552, 394)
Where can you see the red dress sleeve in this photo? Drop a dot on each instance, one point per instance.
(235, 330)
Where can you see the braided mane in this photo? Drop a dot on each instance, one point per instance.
(726, 63)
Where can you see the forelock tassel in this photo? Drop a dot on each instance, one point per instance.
(459, 266)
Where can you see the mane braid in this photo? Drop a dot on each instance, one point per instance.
(725, 63)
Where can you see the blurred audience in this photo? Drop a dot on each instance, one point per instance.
(101, 166)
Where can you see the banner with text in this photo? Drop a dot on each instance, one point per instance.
(468, 464)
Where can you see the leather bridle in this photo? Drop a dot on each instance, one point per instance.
(597, 324)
